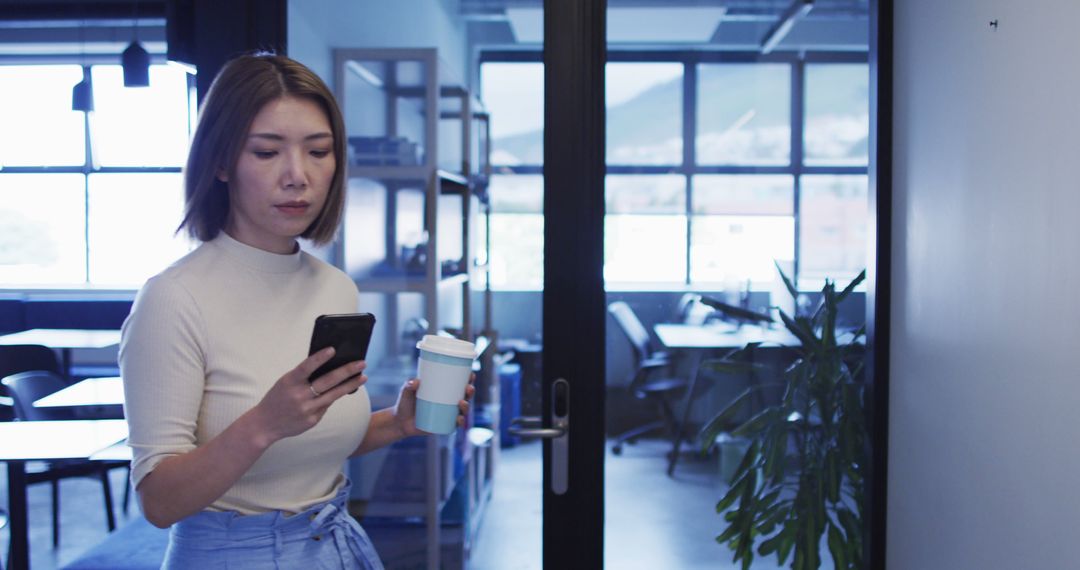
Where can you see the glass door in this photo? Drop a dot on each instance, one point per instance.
(735, 155)
(678, 159)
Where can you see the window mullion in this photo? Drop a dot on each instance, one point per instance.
(88, 167)
(798, 106)
(689, 132)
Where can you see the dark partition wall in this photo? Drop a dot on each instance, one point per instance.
(207, 33)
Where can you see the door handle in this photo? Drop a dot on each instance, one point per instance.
(558, 433)
(529, 426)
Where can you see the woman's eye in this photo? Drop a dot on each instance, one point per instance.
(320, 153)
(265, 153)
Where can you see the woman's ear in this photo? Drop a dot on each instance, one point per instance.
(222, 175)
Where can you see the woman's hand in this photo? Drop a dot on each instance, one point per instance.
(404, 410)
(293, 405)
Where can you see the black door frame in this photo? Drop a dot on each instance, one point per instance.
(574, 305)
(574, 165)
(878, 279)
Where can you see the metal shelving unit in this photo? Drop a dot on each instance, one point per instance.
(417, 181)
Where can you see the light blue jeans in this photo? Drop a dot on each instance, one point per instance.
(321, 538)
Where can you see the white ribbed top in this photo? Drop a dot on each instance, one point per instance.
(207, 338)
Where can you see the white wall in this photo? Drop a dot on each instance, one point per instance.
(983, 465)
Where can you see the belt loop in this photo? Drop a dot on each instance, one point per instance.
(278, 545)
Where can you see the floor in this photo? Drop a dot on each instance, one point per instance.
(653, 521)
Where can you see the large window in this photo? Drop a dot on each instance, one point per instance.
(719, 167)
(90, 198)
(744, 114)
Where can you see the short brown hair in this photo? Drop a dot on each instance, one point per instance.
(240, 90)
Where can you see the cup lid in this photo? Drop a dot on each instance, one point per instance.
(447, 346)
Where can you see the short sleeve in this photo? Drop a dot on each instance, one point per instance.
(162, 362)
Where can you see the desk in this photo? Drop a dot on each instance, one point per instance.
(43, 441)
(100, 397)
(64, 340)
(699, 338)
(719, 336)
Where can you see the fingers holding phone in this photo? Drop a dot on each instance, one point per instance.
(338, 382)
(334, 368)
(293, 405)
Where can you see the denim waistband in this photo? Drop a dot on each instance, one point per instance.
(278, 532)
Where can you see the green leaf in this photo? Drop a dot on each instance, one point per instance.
(773, 451)
(832, 477)
(776, 517)
(724, 420)
(851, 286)
(787, 282)
(757, 423)
(730, 532)
(771, 545)
(837, 547)
(735, 311)
(728, 366)
(733, 493)
(853, 531)
(786, 544)
(749, 457)
(801, 329)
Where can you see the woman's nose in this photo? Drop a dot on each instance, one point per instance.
(295, 176)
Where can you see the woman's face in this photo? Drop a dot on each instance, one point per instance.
(283, 175)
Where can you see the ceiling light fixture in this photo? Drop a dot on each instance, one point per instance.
(136, 60)
(82, 95)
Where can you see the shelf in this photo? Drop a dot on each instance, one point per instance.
(411, 109)
(415, 173)
(451, 182)
(377, 508)
(404, 283)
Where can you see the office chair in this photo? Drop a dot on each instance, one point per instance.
(685, 308)
(647, 382)
(15, 358)
(27, 387)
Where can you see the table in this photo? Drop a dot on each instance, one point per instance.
(64, 340)
(698, 339)
(96, 397)
(719, 336)
(43, 441)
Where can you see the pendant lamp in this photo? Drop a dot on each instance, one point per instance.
(82, 95)
(136, 63)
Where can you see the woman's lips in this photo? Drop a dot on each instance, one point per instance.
(293, 208)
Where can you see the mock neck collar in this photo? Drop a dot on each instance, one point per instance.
(258, 259)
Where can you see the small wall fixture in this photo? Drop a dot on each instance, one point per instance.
(136, 63)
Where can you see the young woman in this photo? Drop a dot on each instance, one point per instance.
(232, 446)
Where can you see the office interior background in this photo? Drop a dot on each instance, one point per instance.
(721, 161)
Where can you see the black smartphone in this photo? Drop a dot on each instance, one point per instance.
(349, 335)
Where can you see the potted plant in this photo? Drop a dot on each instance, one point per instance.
(801, 477)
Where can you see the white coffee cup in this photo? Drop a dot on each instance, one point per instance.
(444, 368)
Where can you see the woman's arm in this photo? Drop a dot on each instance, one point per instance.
(393, 424)
(182, 485)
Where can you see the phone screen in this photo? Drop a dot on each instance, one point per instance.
(349, 335)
